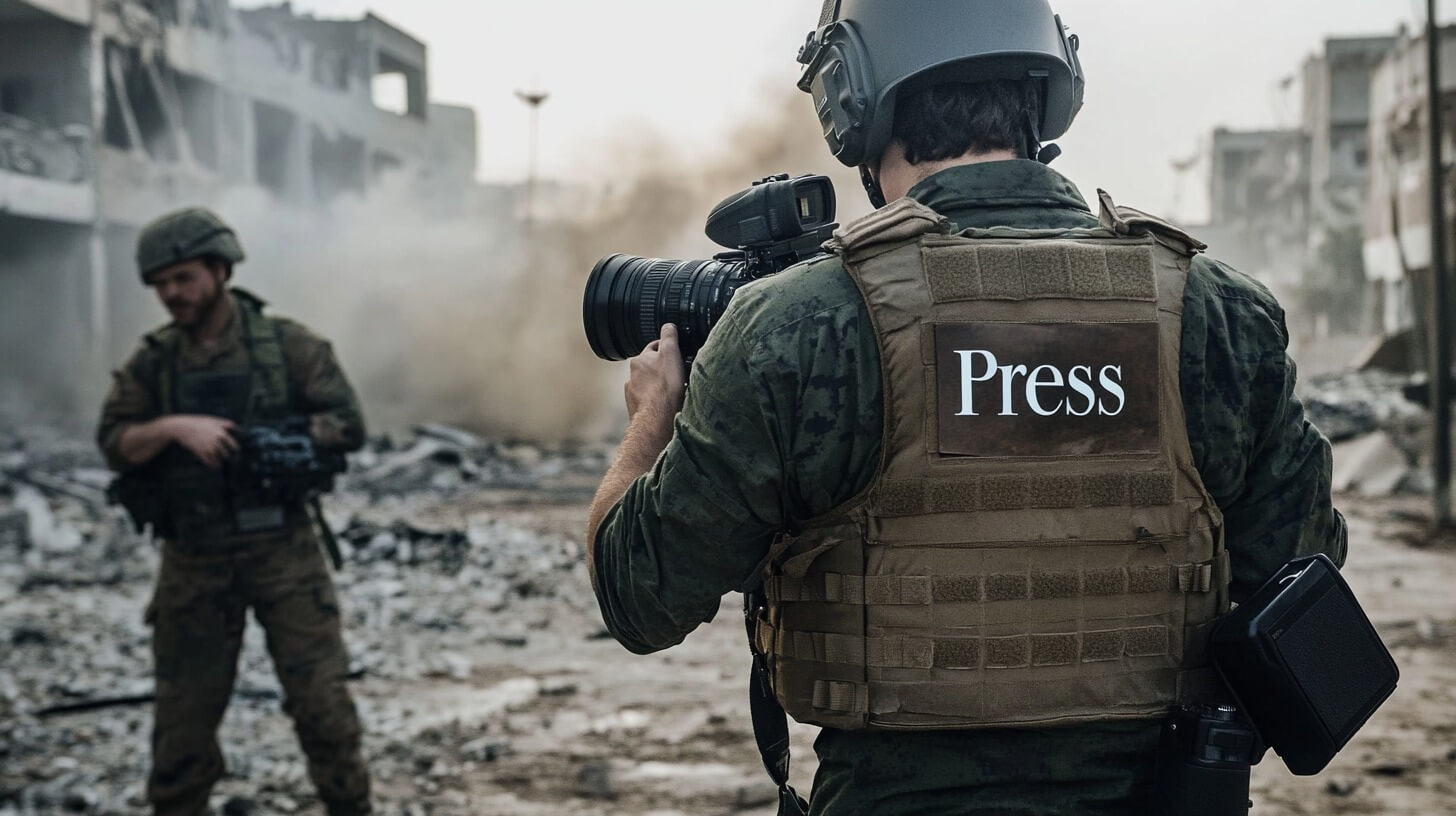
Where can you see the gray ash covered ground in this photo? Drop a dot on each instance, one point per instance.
(483, 676)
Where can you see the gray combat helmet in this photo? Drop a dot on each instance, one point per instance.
(865, 52)
(194, 232)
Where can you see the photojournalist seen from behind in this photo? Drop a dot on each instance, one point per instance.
(989, 469)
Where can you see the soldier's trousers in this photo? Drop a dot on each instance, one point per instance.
(198, 614)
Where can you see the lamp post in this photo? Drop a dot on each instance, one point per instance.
(534, 99)
(1440, 376)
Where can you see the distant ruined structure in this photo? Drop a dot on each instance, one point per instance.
(1288, 206)
(113, 111)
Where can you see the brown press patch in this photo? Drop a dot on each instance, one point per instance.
(1141, 580)
(954, 273)
(957, 588)
(1131, 270)
(1008, 652)
(1001, 277)
(1054, 491)
(1006, 587)
(958, 654)
(1148, 641)
(1045, 270)
(1054, 585)
(1099, 646)
(1104, 582)
(1053, 650)
(1089, 272)
(1151, 489)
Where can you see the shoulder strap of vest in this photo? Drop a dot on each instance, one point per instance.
(1128, 221)
(265, 347)
(904, 220)
(166, 341)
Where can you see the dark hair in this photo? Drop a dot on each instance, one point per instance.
(948, 120)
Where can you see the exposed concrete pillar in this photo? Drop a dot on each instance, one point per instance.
(98, 294)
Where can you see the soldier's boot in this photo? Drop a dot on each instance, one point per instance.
(299, 611)
(197, 631)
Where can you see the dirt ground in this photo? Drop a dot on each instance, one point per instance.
(536, 712)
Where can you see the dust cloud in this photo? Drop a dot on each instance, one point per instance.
(472, 320)
(478, 323)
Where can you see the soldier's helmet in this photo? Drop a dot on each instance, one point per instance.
(193, 232)
(865, 52)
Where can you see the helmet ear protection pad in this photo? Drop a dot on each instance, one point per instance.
(836, 75)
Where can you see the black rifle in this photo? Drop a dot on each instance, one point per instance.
(278, 465)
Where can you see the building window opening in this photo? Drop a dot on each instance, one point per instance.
(131, 87)
(275, 145)
(201, 109)
(399, 87)
(338, 165)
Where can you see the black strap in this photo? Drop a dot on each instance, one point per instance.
(770, 723)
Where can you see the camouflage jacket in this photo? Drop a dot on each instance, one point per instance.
(316, 383)
(783, 422)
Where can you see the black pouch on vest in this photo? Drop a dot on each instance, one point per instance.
(1304, 662)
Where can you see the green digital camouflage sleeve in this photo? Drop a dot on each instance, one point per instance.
(771, 434)
(1265, 464)
(337, 422)
(131, 400)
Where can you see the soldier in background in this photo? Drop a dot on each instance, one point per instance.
(172, 422)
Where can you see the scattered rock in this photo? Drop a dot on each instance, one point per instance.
(596, 780)
(238, 806)
(1342, 786)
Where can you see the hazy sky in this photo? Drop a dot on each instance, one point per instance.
(1161, 75)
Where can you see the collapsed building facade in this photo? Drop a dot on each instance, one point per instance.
(1288, 206)
(114, 111)
(1397, 246)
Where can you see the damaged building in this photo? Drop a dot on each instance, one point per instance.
(1288, 206)
(1397, 245)
(114, 111)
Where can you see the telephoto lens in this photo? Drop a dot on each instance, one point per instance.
(628, 299)
(774, 224)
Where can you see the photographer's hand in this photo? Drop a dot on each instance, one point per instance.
(656, 381)
(654, 391)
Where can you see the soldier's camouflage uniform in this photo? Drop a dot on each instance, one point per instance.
(205, 589)
(783, 422)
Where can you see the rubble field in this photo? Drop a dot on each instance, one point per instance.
(483, 674)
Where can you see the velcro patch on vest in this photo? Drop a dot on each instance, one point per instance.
(1044, 390)
(1040, 269)
(910, 497)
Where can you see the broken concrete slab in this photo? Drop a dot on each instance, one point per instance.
(1372, 465)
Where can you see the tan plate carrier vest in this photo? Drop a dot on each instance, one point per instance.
(1043, 583)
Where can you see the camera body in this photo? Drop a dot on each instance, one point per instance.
(776, 223)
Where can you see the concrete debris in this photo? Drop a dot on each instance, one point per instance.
(1370, 465)
(1382, 438)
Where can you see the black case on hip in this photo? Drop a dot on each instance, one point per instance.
(1304, 662)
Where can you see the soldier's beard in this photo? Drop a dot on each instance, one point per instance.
(195, 314)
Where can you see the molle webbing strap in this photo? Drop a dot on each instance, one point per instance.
(977, 653)
(1051, 269)
(924, 590)
(270, 371)
(911, 497)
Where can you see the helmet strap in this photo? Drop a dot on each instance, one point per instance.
(872, 187)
